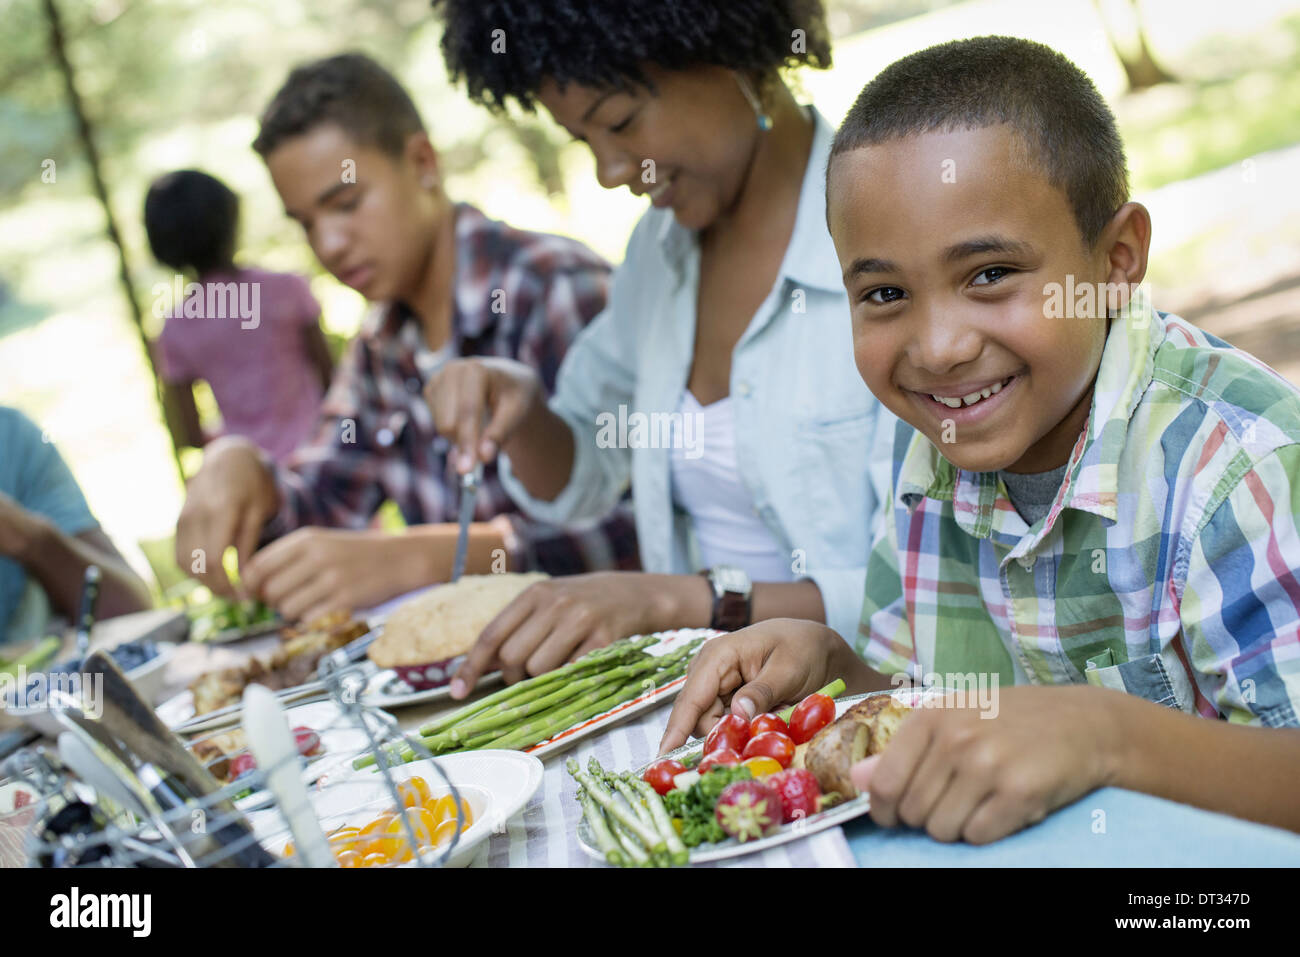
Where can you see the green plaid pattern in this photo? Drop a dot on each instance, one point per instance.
(1167, 565)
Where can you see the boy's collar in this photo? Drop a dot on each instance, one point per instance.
(1092, 475)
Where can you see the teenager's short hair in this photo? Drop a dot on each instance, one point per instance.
(981, 82)
(191, 219)
(505, 49)
(350, 90)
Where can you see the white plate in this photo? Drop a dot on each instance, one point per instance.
(385, 690)
(839, 814)
(496, 784)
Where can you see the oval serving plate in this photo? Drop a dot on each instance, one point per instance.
(839, 814)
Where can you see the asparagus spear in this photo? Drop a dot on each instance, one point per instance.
(631, 846)
(600, 828)
(601, 795)
(663, 821)
(516, 693)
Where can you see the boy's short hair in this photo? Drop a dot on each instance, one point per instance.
(603, 43)
(985, 81)
(350, 90)
(191, 219)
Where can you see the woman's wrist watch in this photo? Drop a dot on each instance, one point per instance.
(732, 597)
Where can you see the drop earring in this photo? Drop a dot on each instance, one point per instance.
(764, 120)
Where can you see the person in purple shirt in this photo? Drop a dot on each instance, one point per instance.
(253, 336)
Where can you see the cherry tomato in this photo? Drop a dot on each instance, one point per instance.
(660, 775)
(240, 765)
(308, 741)
(731, 731)
(414, 792)
(767, 722)
(811, 715)
(721, 756)
(762, 765)
(771, 744)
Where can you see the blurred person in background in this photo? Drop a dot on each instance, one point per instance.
(253, 336)
(48, 537)
(351, 159)
(728, 312)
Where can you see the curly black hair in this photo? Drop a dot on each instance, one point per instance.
(985, 81)
(350, 90)
(191, 219)
(505, 49)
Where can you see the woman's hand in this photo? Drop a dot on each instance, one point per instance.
(559, 620)
(757, 668)
(464, 392)
(981, 773)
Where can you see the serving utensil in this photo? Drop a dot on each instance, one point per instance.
(469, 485)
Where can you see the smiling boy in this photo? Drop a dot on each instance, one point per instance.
(1083, 503)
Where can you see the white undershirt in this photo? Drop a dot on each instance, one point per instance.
(706, 483)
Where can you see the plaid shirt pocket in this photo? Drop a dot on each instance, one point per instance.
(1147, 677)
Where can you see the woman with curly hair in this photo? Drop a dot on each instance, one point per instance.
(718, 380)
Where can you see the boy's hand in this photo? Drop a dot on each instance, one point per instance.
(962, 776)
(227, 503)
(757, 668)
(462, 393)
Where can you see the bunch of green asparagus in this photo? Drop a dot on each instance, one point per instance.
(532, 711)
(635, 831)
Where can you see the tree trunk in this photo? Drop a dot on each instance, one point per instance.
(85, 133)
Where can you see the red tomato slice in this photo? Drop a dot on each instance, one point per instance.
(771, 744)
(731, 731)
(660, 775)
(721, 756)
(811, 715)
(767, 722)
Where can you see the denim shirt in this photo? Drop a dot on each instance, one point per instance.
(812, 443)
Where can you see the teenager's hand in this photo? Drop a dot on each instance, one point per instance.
(979, 774)
(559, 620)
(758, 668)
(464, 392)
(313, 571)
(227, 503)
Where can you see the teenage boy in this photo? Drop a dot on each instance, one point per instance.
(1090, 500)
(352, 162)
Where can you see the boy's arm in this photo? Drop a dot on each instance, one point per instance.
(1240, 612)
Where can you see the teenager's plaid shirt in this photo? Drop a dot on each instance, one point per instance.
(518, 295)
(1168, 565)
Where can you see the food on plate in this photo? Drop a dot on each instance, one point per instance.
(227, 757)
(446, 621)
(534, 711)
(865, 729)
(384, 839)
(662, 774)
(225, 614)
(748, 810)
(772, 744)
(727, 795)
(811, 715)
(800, 794)
(768, 722)
(628, 817)
(292, 664)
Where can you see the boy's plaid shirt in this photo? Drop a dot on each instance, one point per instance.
(518, 295)
(1168, 565)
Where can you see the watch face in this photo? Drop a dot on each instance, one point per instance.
(727, 578)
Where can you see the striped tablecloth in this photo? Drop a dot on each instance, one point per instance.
(545, 833)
